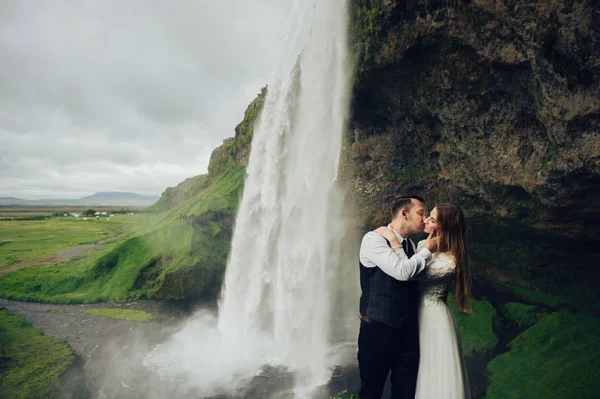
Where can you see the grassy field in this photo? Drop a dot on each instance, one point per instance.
(30, 363)
(31, 240)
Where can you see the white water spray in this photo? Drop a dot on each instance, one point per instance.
(277, 297)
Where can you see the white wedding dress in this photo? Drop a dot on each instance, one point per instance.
(442, 369)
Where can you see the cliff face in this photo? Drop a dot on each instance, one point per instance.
(493, 105)
(206, 205)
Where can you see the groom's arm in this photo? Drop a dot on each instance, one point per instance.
(375, 252)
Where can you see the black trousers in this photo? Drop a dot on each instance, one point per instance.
(381, 350)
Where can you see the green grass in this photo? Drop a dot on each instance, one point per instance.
(107, 275)
(121, 314)
(31, 240)
(476, 329)
(521, 314)
(30, 363)
(556, 358)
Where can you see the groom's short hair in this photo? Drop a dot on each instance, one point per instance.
(403, 201)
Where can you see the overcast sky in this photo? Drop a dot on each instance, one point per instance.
(125, 95)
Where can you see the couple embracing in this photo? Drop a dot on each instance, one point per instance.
(406, 327)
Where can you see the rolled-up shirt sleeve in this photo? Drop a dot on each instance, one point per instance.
(375, 252)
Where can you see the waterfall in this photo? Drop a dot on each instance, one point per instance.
(280, 284)
(282, 261)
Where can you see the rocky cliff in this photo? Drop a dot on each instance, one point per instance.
(199, 220)
(493, 105)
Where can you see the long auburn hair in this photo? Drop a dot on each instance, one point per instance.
(452, 239)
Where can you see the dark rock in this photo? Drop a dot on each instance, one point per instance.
(494, 106)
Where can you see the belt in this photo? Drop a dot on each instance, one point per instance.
(366, 319)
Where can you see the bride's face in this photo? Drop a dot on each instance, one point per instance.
(431, 221)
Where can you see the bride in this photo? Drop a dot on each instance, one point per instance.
(442, 371)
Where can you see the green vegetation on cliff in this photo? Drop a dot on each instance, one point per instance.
(556, 358)
(30, 363)
(477, 328)
(365, 26)
(185, 190)
(521, 314)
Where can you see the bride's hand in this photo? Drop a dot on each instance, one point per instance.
(386, 232)
(389, 235)
(432, 241)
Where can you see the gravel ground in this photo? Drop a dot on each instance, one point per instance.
(101, 344)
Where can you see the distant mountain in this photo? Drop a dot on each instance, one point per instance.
(11, 201)
(98, 199)
(117, 195)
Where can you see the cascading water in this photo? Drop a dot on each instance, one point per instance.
(277, 298)
(277, 281)
(277, 284)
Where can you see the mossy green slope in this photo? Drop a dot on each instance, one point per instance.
(521, 314)
(555, 358)
(30, 363)
(476, 329)
(173, 196)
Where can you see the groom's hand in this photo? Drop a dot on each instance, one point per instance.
(432, 241)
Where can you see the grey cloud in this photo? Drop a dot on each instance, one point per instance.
(114, 89)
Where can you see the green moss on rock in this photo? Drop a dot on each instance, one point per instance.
(556, 358)
(477, 328)
(521, 314)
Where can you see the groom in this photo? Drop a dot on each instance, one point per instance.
(389, 337)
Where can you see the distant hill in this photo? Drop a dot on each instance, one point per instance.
(11, 201)
(120, 196)
(101, 198)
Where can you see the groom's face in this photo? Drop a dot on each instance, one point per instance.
(415, 217)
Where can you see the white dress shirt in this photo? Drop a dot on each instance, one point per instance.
(375, 252)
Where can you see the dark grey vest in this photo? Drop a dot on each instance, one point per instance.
(387, 300)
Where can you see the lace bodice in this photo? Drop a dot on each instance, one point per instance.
(434, 279)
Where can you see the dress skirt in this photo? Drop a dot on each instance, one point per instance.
(442, 369)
